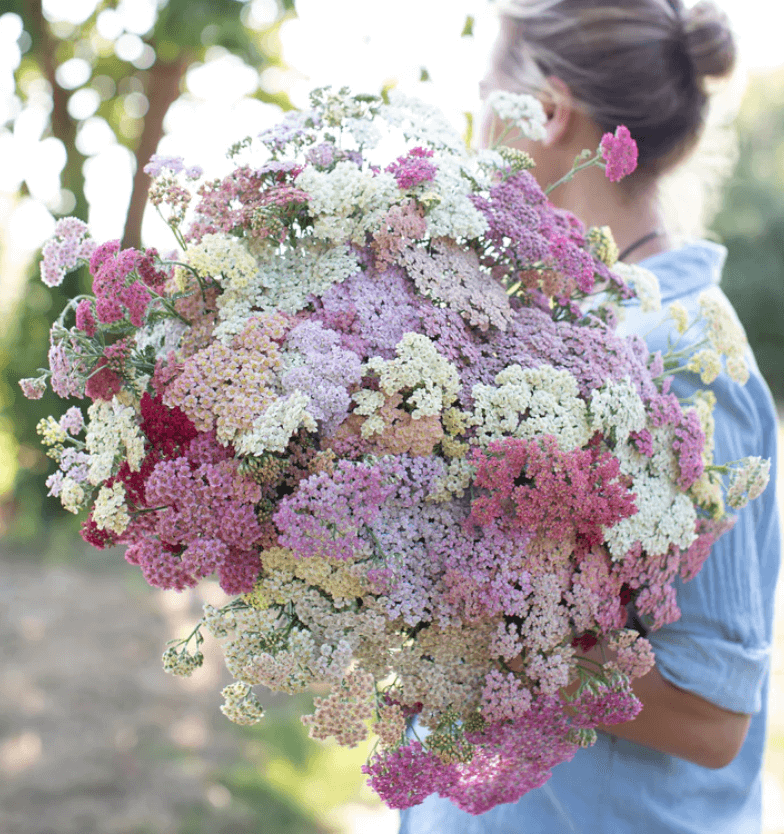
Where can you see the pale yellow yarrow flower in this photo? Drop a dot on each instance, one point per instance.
(224, 257)
(603, 245)
(454, 448)
(455, 421)
(681, 317)
(706, 363)
(72, 495)
(110, 511)
(52, 434)
(703, 405)
(644, 283)
(723, 329)
(738, 369)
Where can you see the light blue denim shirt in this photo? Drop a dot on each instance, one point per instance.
(718, 649)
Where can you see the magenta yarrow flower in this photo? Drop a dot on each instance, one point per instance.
(84, 317)
(619, 152)
(413, 169)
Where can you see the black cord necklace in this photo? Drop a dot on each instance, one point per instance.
(638, 243)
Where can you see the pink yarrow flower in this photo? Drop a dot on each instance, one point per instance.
(619, 152)
(33, 387)
(413, 168)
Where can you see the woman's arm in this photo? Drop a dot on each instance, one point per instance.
(677, 722)
(682, 724)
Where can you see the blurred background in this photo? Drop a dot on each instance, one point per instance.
(94, 737)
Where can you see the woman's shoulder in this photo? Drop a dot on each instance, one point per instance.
(688, 269)
(689, 278)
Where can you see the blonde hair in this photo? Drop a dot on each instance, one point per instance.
(641, 63)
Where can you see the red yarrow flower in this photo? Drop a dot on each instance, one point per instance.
(619, 152)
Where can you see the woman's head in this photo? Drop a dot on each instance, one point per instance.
(641, 63)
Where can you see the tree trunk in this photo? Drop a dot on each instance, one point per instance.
(163, 88)
(63, 126)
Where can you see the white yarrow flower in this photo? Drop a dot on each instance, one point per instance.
(112, 435)
(273, 429)
(530, 402)
(434, 381)
(524, 110)
(644, 283)
(110, 511)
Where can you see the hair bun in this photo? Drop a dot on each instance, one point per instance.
(709, 40)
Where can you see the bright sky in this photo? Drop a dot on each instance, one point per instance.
(355, 42)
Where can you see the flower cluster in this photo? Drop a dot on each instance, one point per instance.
(619, 152)
(387, 407)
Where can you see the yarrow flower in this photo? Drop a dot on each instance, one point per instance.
(70, 245)
(384, 404)
(33, 388)
(645, 284)
(619, 152)
(526, 112)
(748, 482)
(159, 164)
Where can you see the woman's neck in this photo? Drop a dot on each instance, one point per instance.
(631, 214)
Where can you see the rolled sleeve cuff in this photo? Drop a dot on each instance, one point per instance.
(729, 675)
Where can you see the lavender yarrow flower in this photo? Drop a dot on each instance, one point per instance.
(76, 465)
(293, 127)
(327, 373)
(159, 163)
(326, 515)
(69, 246)
(278, 167)
(72, 421)
(68, 372)
(371, 323)
(322, 155)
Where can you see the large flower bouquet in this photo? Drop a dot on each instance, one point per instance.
(386, 404)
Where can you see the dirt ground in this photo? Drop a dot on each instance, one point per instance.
(96, 739)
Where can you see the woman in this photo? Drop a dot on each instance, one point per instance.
(691, 761)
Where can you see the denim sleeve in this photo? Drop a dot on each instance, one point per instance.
(720, 647)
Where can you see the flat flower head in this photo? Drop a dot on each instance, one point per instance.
(33, 387)
(524, 111)
(619, 152)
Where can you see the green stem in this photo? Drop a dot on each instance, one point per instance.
(196, 275)
(184, 641)
(169, 307)
(570, 175)
(71, 305)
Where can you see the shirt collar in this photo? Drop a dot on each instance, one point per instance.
(694, 267)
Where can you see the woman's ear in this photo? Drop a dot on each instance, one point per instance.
(559, 108)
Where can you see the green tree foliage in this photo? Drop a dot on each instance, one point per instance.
(135, 96)
(751, 225)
